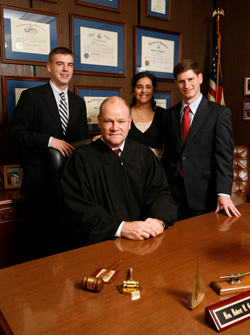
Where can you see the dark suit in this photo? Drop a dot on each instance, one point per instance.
(206, 158)
(35, 120)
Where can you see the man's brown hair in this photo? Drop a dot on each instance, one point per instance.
(185, 65)
(59, 50)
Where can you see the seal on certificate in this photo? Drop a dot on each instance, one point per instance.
(19, 45)
(89, 119)
(86, 55)
(147, 62)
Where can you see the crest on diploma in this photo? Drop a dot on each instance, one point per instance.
(199, 289)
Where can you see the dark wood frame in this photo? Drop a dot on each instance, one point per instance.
(101, 88)
(136, 27)
(5, 93)
(4, 326)
(29, 10)
(85, 3)
(246, 94)
(166, 92)
(244, 111)
(5, 176)
(100, 73)
(159, 17)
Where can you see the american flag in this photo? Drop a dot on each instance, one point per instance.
(215, 90)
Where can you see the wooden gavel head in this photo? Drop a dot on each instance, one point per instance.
(92, 283)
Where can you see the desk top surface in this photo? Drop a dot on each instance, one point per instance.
(45, 296)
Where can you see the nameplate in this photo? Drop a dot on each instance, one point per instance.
(229, 312)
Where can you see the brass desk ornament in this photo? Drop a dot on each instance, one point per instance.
(131, 287)
(199, 289)
(231, 284)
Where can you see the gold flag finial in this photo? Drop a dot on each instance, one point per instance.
(218, 12)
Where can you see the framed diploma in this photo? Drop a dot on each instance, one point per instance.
(99, 46)
(114, 5)
(158, 9)
(156, 51)
(28, 35)
(94, 96)
(164, 99)
(12, 89)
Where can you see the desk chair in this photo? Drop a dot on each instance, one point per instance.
(57, 163)
(241, 183)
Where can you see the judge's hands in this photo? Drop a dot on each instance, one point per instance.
(228, 206)
(140, 230)
(65, 148)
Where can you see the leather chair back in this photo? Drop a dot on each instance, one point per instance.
(241, 184)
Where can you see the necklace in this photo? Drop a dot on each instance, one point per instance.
(139, 116)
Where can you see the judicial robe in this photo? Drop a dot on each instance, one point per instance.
(102, 189)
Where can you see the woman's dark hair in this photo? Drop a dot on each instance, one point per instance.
(135, 80)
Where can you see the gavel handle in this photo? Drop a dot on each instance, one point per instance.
(112, 267)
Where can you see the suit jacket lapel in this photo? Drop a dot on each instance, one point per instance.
(49, 99)
(199, 119)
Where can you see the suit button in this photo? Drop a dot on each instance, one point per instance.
(184, 158)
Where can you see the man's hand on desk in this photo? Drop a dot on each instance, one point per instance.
(140, 230)
(227, 205)
(65, 148)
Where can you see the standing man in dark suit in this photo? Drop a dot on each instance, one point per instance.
(198, 156)
(37, 124)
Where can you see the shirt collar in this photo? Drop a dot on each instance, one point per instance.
(193, 106)
(56, 90)
(121, 147)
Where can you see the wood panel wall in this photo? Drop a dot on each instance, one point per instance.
(191, 18)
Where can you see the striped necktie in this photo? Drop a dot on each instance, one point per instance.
(117, 151)
(63, 112)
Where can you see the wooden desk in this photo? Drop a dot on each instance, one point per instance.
(45, 296)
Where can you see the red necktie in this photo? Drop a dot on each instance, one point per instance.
(185, 125)
(117, 151)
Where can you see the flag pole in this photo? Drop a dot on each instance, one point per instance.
(218, 12)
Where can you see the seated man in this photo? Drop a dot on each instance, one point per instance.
(109, 194)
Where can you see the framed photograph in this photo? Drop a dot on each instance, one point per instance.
(246, 110)
(12, 89)
(114, 5)
(28, 35)
(94, 96)
(1, 178)
(158, 9)
(156, 51)
(12, 176)
(246, 86)
(99, 46)
(164, 99)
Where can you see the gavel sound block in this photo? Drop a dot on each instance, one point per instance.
(131, 287)
(96, 283)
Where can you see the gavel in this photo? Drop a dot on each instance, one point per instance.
(96, 283)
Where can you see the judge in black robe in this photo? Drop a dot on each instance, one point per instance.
(102, 189)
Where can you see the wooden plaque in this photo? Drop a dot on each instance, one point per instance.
(222, 287)
(229, 312)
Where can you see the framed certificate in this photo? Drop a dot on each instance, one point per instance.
(114, 5)
(156, 51)
(99, 46)
(28, 35)
(12, 89)
(158, 9)
(164, 99)
(94, 96)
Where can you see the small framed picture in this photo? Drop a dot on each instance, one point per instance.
(246, 86)
(12, 176)
(1, 178)
(246, 110)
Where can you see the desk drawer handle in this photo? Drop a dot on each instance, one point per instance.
(6, 217)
